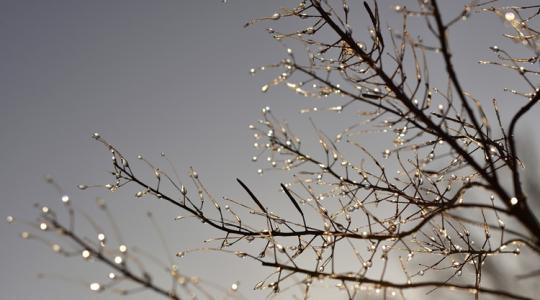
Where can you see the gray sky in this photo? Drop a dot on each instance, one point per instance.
(150, 76)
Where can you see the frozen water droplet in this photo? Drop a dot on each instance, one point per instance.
(259, 285)
(56, 248)
(94, 286)
(509, 16)
(183, 190)
(240, 254)
(118, 260)
(513, 201)
(43, 226)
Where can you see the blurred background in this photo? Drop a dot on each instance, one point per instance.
(152, 77)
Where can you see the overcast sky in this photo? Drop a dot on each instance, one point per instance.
(150, 76)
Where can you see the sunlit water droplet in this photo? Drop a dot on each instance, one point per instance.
(56, 248)
(513, 201)
(118, 260)
(43, 226)
(101, 237)
(509, 16)
(94, 286)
